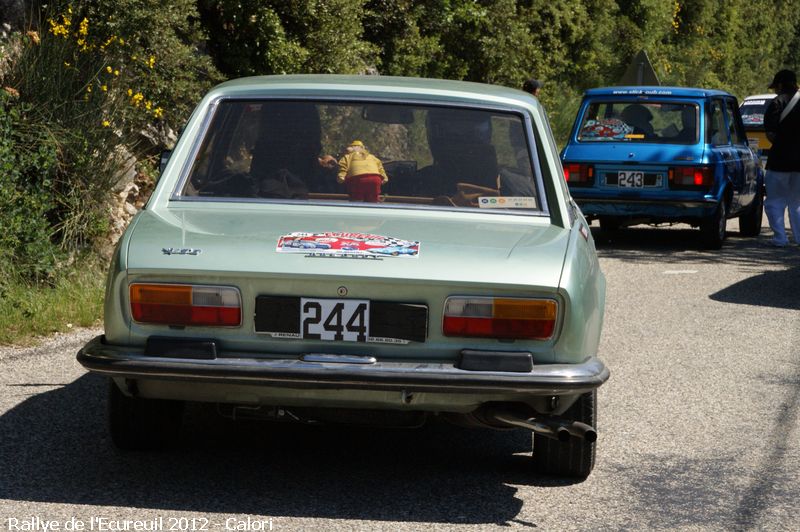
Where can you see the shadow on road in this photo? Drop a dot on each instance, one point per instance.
(773, 473)
(678, 244)
(56, 450)
(777, 288)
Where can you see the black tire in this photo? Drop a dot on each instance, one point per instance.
(750, 222)
(575, 457)
(142, 424)
(713, 229)
(609, 224)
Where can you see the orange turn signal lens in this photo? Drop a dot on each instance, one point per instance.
(173, 304)
(507, 318)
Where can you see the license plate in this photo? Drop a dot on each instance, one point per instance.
(334, 319)
(631, 179)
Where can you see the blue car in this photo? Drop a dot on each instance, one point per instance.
(664, 155)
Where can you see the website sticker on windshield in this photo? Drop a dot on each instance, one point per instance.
(506, 202)
(347, 245)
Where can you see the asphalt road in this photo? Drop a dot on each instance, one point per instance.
(698, 428)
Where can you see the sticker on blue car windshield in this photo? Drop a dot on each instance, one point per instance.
(347, 245)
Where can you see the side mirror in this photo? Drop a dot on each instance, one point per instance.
(165, 155)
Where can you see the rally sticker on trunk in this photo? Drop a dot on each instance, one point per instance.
(347, 245)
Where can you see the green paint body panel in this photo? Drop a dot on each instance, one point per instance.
(462, 253)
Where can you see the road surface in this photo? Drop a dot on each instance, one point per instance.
(698, 428)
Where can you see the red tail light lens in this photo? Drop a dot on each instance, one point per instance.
(579, 174)
(174, 304)
(691, 177)
(487, 317)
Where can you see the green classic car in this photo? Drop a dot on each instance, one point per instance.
(326, 246)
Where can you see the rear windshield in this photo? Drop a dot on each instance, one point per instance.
(376, 154)
(753, 112)
(626, 121)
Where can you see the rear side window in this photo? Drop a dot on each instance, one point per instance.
(646, 121)
(735, 128)
(717, 130)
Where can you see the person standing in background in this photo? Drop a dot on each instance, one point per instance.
(532, 86)
(782, 125)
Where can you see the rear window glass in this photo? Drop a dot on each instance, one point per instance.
(626, 121)
(753, 112)
(379, 154)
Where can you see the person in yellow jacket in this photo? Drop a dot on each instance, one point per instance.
(362, 172)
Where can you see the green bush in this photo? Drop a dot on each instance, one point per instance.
(95, 90)
(28, 169)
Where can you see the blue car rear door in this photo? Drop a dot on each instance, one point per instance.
(745, 180)
(718, 138)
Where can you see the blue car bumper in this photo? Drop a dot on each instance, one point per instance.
(648, 209)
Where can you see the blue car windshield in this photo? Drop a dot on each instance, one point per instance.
(376, 153)
(650, 121)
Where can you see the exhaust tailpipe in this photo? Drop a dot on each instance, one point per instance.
(557, 429)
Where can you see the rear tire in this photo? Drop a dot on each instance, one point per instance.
(750, 222)
(575, 457)
(713, 229)
(137, 424)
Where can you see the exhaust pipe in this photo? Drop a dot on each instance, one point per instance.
(557, 429)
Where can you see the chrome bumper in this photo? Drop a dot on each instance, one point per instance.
(292, 372)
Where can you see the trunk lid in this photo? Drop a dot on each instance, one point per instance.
(459, 254)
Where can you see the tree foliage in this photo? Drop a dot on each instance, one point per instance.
(99, 74)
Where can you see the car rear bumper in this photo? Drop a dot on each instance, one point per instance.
(656, 209)
(250, 373)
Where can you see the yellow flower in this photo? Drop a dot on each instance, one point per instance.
(116, 72)
(121, 40)
(130, 92)
(59, 30)
(67, 64)
(106, 123)
(152, 61)
(158, 112)
(137, 98)
(104, 88)
(83, 28)
(88, 88)
(109, 69)
(148, 104)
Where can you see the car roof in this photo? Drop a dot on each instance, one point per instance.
(681, 92)
(767, 96)
(384, 86)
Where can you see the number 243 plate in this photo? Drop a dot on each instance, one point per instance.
(334, 319)
(631, 179)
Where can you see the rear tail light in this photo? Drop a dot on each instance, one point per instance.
(691, 177)
(178, 304)
(487, 317)
(579, 174)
